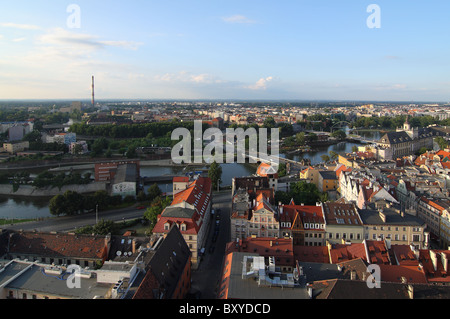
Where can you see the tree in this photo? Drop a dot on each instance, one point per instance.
(333, 155)
(325, 158)
(104, 227)
(300, 138)
(56, 205)
(77, 149)
(443, 144)
(131, 152)
(215, 174)
(354, 148)
(339, 134)
(153, 192)
(269, 123)
(141, 196)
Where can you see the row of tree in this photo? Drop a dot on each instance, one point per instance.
(301, 192)
(156, 129)
(73, 203)
(61, 179)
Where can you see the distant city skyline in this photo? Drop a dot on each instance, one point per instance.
(210, 50)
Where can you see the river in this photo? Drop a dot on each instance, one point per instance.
(23, 208)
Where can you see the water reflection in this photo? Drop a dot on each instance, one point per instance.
(24, 207)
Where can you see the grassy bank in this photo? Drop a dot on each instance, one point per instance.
(14, 221)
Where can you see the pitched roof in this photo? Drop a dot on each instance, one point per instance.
(340, 253)
(313, 254)
(165, 268)
(58, 245)
(188, 207)
(395, 137)
(354, 289)
(266, 169)
(337, 213)
(378, 253)
(396, 273)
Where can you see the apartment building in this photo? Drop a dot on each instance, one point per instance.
(190, 210)
(343, 223)
(305, 224)
(383, 220)
(431, 210)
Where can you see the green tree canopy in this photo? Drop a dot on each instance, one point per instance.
(215, 174)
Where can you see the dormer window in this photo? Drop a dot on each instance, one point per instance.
(166, 226)
(183, 227)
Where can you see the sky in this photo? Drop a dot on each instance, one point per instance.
(226, 49)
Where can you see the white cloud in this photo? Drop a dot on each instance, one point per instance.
(62, 37)
(19, 26)
(187, 77)
(19, 39)
(392, 87)
(238, 19)
(261, 84)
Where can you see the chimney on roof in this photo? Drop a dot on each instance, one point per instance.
(410, 291)
(382, 215)
(444, 261)
(433, 259)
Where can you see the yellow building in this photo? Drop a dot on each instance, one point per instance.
(311, 174)
(15, 147)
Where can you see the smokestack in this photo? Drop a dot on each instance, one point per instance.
(93, 92)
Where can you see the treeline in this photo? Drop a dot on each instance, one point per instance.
(73, 203)
(388, 122)
(59, 180)
(157, 129)
(302, 193)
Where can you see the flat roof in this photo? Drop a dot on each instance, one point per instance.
(239, 288)
(34, 279)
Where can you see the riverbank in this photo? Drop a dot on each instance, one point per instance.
(31, 191)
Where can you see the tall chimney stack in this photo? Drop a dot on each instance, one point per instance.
(93, 94)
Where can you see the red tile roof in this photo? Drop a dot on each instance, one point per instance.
(404, 255)
(197, 194)
(395, 273)
(313, 254)
(378, 253)
(340, 252)
(307, 214)
(58, 245)
(435, 273)
(181, 179)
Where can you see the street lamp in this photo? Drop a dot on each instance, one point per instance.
(96, 214)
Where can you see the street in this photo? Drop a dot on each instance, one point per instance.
(67, 223)
(205, 279)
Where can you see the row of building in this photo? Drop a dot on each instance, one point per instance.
(275, 268)
(39, 265)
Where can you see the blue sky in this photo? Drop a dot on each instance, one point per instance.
(219, 49)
